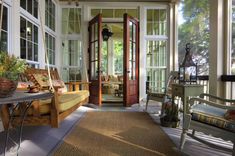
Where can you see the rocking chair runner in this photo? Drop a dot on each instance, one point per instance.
(161, 97)
(210, 118)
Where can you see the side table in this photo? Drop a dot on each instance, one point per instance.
(185, 91)
(16, 100)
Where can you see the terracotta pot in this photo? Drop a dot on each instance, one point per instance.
(7, 87)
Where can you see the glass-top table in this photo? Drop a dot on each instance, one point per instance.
(13, 103)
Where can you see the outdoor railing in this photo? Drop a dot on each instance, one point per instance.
(204, 80)
(230, 80)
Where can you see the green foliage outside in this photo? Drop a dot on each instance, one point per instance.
(195, 29)
(118, 57)
(118, 54)
(11, 66)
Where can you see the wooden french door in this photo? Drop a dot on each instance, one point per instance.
(95, 40)
(131, 60)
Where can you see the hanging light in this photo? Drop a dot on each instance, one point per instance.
(188, 69)
(106, 33)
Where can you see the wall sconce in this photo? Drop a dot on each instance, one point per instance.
(106, 33)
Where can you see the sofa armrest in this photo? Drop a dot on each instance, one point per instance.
(203, 101)
(77, 86)
(216, 98)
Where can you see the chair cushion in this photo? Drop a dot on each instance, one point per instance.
(212, 116)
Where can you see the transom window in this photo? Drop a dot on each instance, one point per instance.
(4, 30)
(71, 21)
(31, 6)
(115, 13)
(50, 14)
(28, 40)
(156, 22)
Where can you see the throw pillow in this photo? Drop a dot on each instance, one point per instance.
(230, 115)
(42, 79)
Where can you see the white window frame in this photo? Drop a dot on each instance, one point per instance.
(8, 26)
(156, 38)
(47, 27)
(75, 37)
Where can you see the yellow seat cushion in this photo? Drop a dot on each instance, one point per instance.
(66, 101)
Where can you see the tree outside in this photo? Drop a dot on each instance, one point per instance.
(194, 29)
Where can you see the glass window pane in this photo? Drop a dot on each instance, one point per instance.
(29, 30)
(133, 12)
(107, 13)
(118, 13)
(22, 27)
(71, 21)
(35, 52)
(4, 18)
(35, 9)
(30, 50)
(22, 49)
(95, 12)
(23, 4)
(30, 6)
(35, 34)
(3, 41)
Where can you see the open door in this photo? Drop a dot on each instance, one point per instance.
(94, 50)
(131, 60)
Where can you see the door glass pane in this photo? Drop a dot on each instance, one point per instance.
(96, 31)
(131, 30)
(134, 33)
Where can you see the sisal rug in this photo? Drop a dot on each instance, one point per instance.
(114, 134)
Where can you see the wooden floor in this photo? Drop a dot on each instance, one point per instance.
(42, 140)
(111, 98)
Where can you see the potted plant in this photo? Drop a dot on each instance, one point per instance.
(169, 117)
(10, 68)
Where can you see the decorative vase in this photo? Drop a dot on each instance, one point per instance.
(7, 87)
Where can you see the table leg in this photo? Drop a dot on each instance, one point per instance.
(28, 104)
(8, 126)
(22, 122)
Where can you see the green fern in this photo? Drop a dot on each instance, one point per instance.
(11, 66)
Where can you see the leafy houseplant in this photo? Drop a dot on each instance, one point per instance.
(169, 116)
(10, 68)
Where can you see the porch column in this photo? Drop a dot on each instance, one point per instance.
(173, 37)
(216, 48)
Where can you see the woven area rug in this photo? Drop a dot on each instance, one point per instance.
(116, 133)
